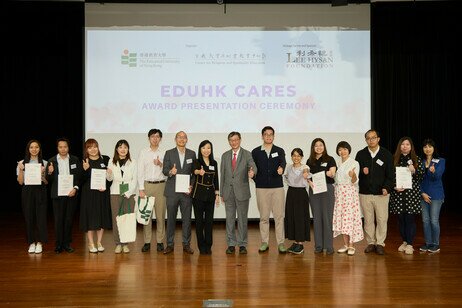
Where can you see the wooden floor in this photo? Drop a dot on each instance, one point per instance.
(150, 279)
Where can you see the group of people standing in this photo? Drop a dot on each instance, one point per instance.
(364, 186)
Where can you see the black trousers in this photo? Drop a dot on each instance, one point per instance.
(34, 207)
(407, 227)
(203, 213)
(63, 211)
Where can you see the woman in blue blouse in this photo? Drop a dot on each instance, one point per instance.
(432, 195)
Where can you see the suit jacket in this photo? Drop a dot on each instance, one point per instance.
(75, 168)
(238, 180)
(172, 157)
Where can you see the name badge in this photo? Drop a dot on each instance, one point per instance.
(435, 160)
(324, 165)
(379, 162)
(73, 166)
(189, 161)
(273, 155)
(212, 168)
(103, 166)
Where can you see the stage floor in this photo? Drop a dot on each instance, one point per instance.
(271, 279)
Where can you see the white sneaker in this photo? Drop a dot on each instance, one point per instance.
(343, 249)
(125, 249)
(38, 248)
(409, 250)
(31, 248)
(118, 249)
(351, 251)
(100, 247)
(402, 248)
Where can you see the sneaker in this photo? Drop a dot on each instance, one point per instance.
(434, 248)
(281, 248)
(92, 248)
(298, 249)
(38, 248)
(125, 249)
(424, 248)
(343, 249)
(31, 248)
(402, 248)
(351, 251)
(118, 249)
(100, 247)
(409, 250)
(146, 247)
(291, 248)
(160, 247)
(230, 250)
(263, 248)
(242, 250)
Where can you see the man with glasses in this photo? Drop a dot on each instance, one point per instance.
(376, 179)
(271, 162)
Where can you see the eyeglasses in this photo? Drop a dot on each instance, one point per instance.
(372, 138)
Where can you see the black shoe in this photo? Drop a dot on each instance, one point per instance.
(369, 248)
(160, 247)
(58, 249)
(69, 249)
(298, 249)
(187, 249)
(168, 250)
(230, 250)
(379, 250)
(146, 247)
(291, 248)
(242, 250)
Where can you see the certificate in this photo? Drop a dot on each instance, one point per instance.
(182, 183)
(98, 179)
(33, 174)
(65, 184)
(319, 182)
(403, 178)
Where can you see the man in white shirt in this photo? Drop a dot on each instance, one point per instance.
(151, 183)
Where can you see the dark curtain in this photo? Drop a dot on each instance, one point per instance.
(415, 65)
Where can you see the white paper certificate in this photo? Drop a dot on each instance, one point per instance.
(98, 179)
(319, 182)
(403, 178)
(65, 184)
(33, 174)
(182, 183)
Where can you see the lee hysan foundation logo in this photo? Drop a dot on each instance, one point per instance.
(129, 58)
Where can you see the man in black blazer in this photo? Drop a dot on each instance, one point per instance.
(178, 160)
(64, 206)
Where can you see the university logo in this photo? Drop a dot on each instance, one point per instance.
(129, 58)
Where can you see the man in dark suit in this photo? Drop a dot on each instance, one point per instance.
(178, 160)
(64, 206)
(237, 166)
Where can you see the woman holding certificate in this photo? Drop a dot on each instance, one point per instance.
(322, 199)
(95, 211)
(205, 194)
(405, 198)
(122, 172)
(31, 175)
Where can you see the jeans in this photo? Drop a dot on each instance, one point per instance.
(431, 223)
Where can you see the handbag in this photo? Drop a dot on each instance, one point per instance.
(126, 223)
(144, 209)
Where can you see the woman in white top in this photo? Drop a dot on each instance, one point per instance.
(122, 172)
(34, 198)
(347, 214)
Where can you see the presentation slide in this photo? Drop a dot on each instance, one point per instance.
(209, 81)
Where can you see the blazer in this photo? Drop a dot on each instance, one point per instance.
(237, 180)
(130, 176)
(172, 157)
(205, 185)
(75, 168)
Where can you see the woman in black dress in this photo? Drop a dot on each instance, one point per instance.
(95, 209)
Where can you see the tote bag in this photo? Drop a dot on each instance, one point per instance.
(144, 209)
(126, 223)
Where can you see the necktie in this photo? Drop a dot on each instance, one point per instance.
(233, 162)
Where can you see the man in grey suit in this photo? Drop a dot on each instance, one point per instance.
(237, 166)
(178, 160)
